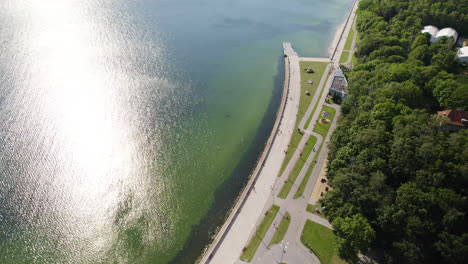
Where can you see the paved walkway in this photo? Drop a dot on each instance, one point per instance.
(297, 252)
(353, 46)
(235, 235)
(342, 41)
(314, 59)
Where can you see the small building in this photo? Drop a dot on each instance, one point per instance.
(339, 85)
(432, 31)
(462, 55)
(447, 32)
(455, 119)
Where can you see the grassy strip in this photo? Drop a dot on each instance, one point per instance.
(304, 102)
(306, 125)
(320, 240)
(322, 129)
(249, 251)
(354, 59)
(305, 180)
(297, 168)
(358, 40)
(349, 40)
(344, 57)
(281, 230)
(358, 37)
(295, 139)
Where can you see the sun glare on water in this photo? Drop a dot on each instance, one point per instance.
(81, 97)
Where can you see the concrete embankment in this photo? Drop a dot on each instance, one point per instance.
(341, 32)
(234, 234)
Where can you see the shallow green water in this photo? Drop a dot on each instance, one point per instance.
(127, 128)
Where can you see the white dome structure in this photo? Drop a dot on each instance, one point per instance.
(432, 31)
(447, 32)
(462, 54)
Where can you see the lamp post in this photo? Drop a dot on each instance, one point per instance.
(283, 249)
(273, 192)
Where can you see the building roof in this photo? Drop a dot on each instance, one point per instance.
(430, 29)
(447, 32)
(339, 72)
(463, 52)
(455, 117)
(339, 83)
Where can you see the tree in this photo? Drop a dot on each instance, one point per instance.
(393, 168)
(353, 234)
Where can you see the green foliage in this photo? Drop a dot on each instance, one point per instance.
(450, 90)
(390, 160)
(354, 234)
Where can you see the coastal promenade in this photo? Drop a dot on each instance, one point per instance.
(264, 184)
(296, 252)
(235, 233)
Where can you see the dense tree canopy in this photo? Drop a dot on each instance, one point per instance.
(354, 235)
(390, 160)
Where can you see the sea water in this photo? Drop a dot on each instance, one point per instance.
(128, 128)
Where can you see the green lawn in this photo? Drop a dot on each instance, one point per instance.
(358, 38)
(305, 180)
(255, 241)
(319, 239)
(354, 59)
(311, 208)
(281, 231)
(307, 123)
(344, 57)
(322, 129)
(349, 40)
(304, 102)
(295, 139)
(297, 167)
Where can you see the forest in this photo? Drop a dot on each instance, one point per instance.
(399, 178)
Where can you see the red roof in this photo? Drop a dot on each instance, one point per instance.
(455, 117)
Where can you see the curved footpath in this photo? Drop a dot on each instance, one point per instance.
(234, 234)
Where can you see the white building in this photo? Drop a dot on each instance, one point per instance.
(447, 32)
(462, 54)
(339, 85)
(432, 31)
